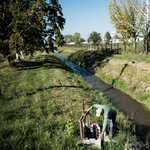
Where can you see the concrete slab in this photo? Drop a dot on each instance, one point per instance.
(94, 142)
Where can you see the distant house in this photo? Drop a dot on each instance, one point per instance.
(114, 40)
(103, 41)
(113, 35)
(71, 43)
(139, 38)
(84, 42)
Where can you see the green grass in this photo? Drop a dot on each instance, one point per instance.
(39, 96)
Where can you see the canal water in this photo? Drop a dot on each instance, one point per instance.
(125, 103)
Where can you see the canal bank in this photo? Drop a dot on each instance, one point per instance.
(129, 106)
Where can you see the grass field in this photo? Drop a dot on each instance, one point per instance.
(41, 103)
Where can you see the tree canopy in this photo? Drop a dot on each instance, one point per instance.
(107, 37)
(25, 25)
(126, 18)
(68, 38)
(76, 38)
(82, 40)
(95, 37)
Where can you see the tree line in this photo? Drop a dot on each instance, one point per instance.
(94, 37)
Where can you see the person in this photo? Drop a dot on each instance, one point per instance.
(109, 116)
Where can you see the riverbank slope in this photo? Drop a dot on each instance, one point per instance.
(129, 73)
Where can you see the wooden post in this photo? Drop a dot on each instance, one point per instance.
(125, 47)
(114, 46)
(83, 106)
(117, 47)
(146, 47)
(102, 142)
(88, 125)
(81, 130)
(111, 46)
(84, 114)
(135, 46)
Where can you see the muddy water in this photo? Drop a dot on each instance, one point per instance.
(120, 100)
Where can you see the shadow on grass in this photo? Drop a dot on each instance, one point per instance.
(92, 59)
(119, 75)
(143, 132)
(51, 87)
(2, 58)
(42, 61)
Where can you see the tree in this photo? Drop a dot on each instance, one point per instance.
(121, 39)
(68, 38)
(146, 34)
(125, 18)
(107, 37)
(25, 24)
(76, 38)
(82, 40)
(95, 37)
(59, 39)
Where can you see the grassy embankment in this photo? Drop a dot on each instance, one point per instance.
(39, 97)
(127, 72)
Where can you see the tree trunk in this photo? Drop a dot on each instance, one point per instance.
(10, 58)
(22, 54)
(18, 57)
(146, 46)
(135, 44)
(125, 47)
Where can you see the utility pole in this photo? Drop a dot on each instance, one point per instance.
(87, 31)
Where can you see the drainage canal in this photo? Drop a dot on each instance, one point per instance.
(120, 100)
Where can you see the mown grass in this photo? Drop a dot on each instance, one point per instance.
(39, 97)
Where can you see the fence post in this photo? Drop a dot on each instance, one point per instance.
(146, 47)
(117, 47)
(111, 46)
(125, 47)
(135, 46)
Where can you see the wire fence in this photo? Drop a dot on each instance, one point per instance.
(117, 48)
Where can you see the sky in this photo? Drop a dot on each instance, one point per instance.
(83, 15)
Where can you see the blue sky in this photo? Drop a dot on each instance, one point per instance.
(80, 12)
